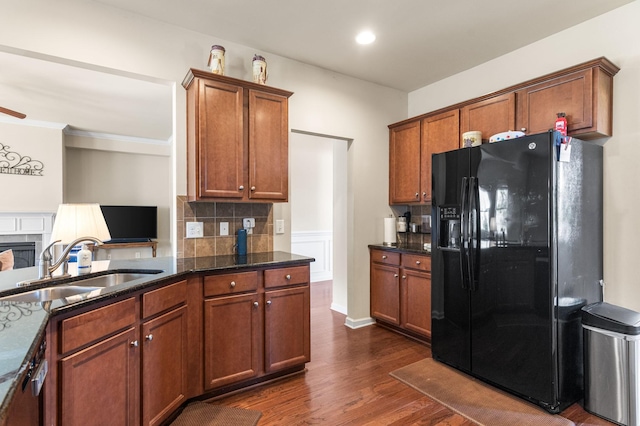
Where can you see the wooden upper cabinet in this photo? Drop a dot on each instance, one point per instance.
(268, 155)
(237, 139)
(221, 152)
(440, 133)
(585, 96)
(404, 163)
(490, 116)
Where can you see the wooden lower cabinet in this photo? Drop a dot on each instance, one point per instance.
(232, 339)
(114, 365)
(400, 286)
(98, 385)
(259, 332)
(287, 328)
(164, 362)
(385, 293)
(415, 290)
(128, 361)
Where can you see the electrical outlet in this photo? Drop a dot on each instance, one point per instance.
(279, 226)
(224, 228)
(249, 224)
(137, 255)
(195, 230)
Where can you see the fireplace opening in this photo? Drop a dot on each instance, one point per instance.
(24, 253)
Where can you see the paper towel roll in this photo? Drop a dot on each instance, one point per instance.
(389, 230)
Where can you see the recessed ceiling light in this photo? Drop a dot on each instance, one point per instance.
(365, 37)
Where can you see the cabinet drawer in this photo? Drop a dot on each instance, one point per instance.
(416, 261)
(216, 285)
(156, 301)
(383, 256)
(88, 327)
(286, 276)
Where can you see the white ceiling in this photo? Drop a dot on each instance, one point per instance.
(418, 42)
(89, 100)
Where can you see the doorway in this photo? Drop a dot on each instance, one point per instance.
(318, 202)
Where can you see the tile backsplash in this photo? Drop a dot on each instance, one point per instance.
(416, 217)
(211, 214)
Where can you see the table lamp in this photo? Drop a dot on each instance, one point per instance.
(80, 222)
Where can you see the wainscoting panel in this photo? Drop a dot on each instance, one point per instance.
(319, 245)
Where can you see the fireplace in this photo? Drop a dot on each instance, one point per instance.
(26, 234)
(24, 253)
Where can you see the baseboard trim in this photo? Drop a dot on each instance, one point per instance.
(359, 323)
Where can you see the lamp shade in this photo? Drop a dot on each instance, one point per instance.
(74, 221)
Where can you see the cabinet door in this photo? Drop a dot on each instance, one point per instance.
(99, 385)
(221, 152)
(268, 146)
(416, 301)
(231, 339)
(404, 164)
(164, 365)
(385, 293)
(491, 116)
(571, 94)
(440, 133)
(287, 328)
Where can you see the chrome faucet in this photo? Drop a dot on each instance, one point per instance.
(46, 268)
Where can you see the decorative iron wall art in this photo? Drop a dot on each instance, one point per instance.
(12, 163)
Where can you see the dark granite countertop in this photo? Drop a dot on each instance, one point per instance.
(402, 248)
(22, 324)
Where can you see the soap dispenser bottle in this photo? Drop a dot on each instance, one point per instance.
(84, 260)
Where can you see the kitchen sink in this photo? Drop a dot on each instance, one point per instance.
(52, 293)
(110, 280)
(78, 290)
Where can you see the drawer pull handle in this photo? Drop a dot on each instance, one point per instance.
(268, 302)
(253, 188)
(395, 275)
(288, 276)
(417, 262)
(134, 344)
(384, 256)
(417, 195)
(241, 188)
(255, 304)
(149, 337)
(404, 277)
(233, 284)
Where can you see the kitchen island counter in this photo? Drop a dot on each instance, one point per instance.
(22, 324)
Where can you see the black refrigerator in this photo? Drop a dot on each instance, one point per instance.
(517, 251)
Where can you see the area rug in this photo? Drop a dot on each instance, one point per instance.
(204, 414)
(473, 399)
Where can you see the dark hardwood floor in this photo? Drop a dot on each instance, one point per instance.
(347, 381)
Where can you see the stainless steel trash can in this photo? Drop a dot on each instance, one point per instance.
(612, 362)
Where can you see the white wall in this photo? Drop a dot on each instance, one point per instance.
(324, 102)
(32, 193)
(128, 177)
(311, 172)
(613, 35)
(311, 200)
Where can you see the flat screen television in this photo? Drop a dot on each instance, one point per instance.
(131, 223)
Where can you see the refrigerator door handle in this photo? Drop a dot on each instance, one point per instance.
(473, 251)
(464, 231)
